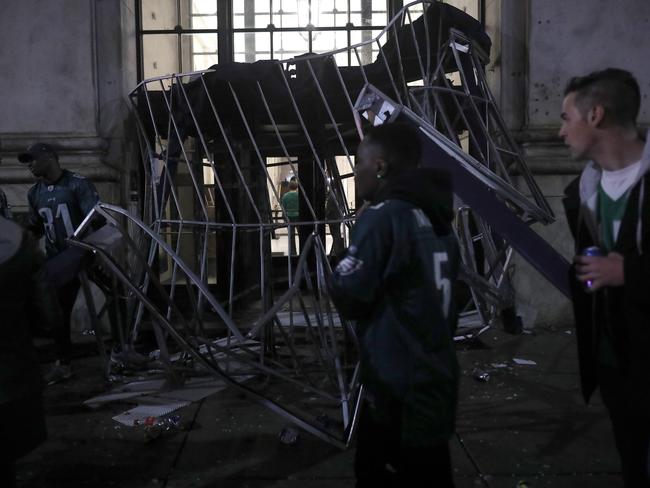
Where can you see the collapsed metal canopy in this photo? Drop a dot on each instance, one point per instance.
(209, 267)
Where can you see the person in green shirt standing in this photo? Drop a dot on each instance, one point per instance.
(290, 202)
(608, 206)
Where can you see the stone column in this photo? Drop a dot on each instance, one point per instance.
(66, 68)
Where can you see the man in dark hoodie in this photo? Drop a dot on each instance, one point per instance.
(396, 281)
(609, 206)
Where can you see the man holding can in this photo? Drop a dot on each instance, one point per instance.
(608, 211)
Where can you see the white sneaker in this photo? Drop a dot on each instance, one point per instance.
(58, 373)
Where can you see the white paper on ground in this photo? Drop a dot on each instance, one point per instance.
(526, 362)
(141, 412)
(154, 403)
(499, 365)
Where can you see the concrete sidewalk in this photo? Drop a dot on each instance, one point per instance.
(522, 423)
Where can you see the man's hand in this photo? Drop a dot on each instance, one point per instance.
(600, 270)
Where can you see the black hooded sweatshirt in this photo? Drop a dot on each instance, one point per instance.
(396, 281)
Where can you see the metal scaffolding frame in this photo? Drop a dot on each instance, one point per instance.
(199, 268)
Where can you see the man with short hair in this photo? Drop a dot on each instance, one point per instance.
(608, 206)
(58, 203)
(396, 280)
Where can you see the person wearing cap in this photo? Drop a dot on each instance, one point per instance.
(26, 301)
(58, 203)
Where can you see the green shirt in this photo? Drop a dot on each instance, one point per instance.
(610, 214)
(290, 204)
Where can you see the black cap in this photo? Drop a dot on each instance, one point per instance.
(35, 150)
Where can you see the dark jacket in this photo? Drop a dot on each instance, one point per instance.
(396, 281)
(625, 309)
(26, 302)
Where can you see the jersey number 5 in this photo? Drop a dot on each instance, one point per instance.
(442, 281)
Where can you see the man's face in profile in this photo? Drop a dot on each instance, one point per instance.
(576, 131)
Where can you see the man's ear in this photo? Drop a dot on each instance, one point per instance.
(596, 115)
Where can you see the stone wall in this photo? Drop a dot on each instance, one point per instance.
(574, 38)
(65, 73)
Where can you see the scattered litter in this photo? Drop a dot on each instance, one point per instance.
(524, 362)
(148, 422)
(153, 402)
(155, 427)
(527, 332)
(481, 375)
(499, 365)
(568, 332)
(138, 415)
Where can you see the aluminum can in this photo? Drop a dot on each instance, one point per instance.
(591, 251)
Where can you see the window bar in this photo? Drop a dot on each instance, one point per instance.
(335, 127)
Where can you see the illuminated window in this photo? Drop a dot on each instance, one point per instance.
(184, 35)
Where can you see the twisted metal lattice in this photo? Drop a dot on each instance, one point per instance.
(208, 264)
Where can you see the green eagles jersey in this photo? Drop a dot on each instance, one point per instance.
(396, 281)
(57, 210)
(610, 214)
